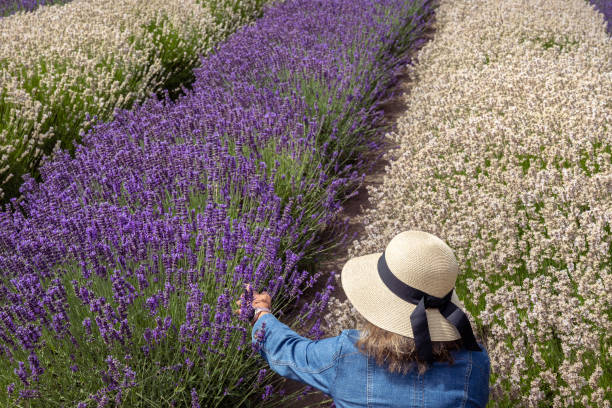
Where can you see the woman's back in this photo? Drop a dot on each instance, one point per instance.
(359, 382)
(336, 367)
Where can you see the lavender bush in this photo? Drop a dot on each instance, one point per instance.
(118, 272)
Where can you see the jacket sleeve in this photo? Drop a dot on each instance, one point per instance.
(310, 361)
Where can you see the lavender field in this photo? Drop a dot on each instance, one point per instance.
(120, 266)
(157, 156)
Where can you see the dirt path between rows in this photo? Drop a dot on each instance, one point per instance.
(352, 209)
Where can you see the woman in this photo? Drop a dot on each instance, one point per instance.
(416, 347)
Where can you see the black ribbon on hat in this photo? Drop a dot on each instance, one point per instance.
(418, 318)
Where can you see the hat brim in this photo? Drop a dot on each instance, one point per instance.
(383, 308)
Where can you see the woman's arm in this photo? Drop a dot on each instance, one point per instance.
(310, 361)
(290, 355)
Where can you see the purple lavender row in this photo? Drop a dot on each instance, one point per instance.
(8, 7)
(119, 271)
(605, 8)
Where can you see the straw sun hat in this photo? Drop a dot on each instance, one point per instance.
(409, 289)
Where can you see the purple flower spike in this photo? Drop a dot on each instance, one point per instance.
(194, 399)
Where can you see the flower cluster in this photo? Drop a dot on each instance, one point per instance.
(63, 66)
(505, 154)
(129, 257)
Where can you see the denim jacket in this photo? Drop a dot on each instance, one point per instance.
(337, 368)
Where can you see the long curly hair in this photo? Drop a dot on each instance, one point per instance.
(397, 352)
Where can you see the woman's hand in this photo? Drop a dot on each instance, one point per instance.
(259, 300)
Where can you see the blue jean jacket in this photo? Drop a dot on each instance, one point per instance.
(337, 368)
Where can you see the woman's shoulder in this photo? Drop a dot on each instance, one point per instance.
(350, 334)
(348, 339)
(481, 358)
(473, 358)
(482, 355)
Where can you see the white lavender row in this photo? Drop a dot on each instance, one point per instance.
(506, 154)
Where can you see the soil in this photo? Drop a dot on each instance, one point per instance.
(352, 208)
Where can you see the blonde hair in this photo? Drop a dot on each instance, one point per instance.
(398, 352)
